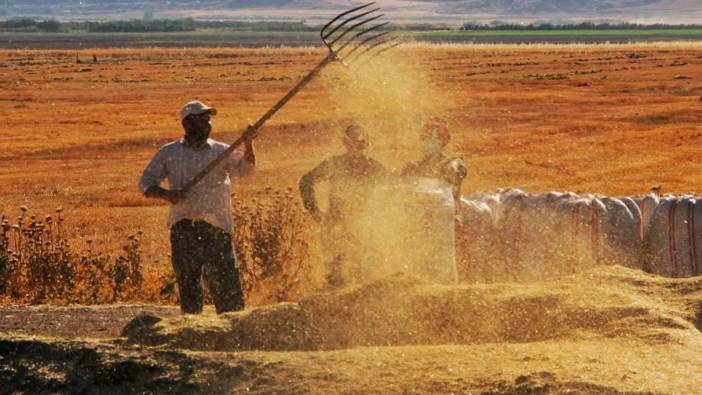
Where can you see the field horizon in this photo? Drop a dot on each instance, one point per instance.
(223, 38)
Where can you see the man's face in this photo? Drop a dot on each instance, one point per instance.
(198, 126)
(355, 140)
(433, 139)
(355, 146)
(430, 146)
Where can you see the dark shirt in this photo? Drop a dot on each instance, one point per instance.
(351, 180)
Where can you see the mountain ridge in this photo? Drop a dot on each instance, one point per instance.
(660, 11)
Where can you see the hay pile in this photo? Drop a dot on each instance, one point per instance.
(607, 302)
(608, 331)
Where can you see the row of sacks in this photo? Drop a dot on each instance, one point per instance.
(512, 235)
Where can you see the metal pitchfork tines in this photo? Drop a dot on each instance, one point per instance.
(349, 36)
(356, 32)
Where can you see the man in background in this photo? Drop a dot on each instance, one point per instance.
(201, 220)
(435, 163)
(351, 177)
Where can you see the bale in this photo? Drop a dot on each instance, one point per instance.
(673, 241)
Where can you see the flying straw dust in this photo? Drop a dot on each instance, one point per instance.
(394, 224)
(390, 96)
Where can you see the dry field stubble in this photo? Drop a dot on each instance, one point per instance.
(610, 119)
(605, 118)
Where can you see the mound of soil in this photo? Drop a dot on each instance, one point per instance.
(608, 331)
(396, 311)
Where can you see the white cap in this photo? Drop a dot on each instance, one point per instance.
(196, 107)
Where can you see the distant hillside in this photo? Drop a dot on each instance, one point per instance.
(665, 11)
(302, 4)
(573, 8)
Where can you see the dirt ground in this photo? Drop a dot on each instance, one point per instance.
(72, 322)
(607, 331)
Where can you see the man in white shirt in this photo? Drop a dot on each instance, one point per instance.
(200, 220)
(434, 137)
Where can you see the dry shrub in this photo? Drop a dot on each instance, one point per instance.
(272, 253)
(39, 265)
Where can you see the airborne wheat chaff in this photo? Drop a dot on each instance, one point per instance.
(391, 96)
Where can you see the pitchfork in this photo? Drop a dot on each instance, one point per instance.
(349, 36)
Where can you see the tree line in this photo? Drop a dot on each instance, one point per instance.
(189, 25)
(136, 25)
(497, 25)
(146, 26)
(257, 26)
(30, 25)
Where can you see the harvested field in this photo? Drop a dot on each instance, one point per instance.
(611, 119)
(607, 119)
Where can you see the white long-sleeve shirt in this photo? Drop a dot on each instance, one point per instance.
(210, 199)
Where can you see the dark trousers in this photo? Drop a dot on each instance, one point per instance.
(197, 245)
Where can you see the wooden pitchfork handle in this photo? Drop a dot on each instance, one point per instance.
(351, 31)
(251, 130)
